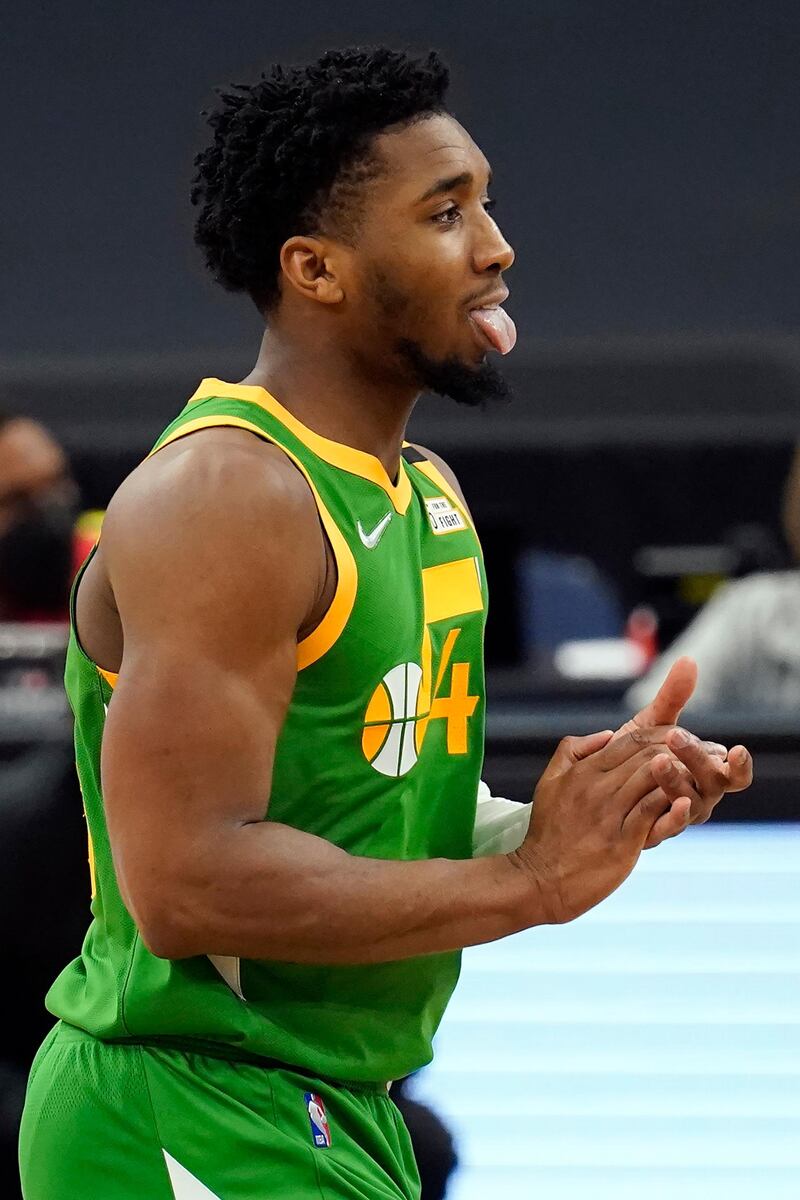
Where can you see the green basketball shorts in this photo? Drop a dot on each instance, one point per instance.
(111, 1121)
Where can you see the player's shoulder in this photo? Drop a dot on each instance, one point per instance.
(224, 469)
(443, 468)
(221, 497)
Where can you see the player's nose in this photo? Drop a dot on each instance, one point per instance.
(493, 252)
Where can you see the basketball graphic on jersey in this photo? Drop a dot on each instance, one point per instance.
(389, 739)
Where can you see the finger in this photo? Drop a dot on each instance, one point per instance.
(671, 775)
(648, 820)
(716, 749)
(582, 747)
(572, 749)
(675, 781)
(709, 771)
(670, 700)
(662, 771)
(619, 749)
(740, 769)
(673, 822)
(637, 784)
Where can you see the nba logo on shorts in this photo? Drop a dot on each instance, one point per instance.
(320, 1130)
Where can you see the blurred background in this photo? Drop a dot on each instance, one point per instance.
(639, 498)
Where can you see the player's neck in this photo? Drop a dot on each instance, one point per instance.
(325, 389)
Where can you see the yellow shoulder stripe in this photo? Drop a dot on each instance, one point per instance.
(357, 462)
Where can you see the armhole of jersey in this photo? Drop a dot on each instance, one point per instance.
(327, 633)
(109, 676)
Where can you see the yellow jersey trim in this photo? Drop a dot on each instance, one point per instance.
(357, 462)
(330, 628)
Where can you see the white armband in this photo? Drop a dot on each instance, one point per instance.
(500, 825)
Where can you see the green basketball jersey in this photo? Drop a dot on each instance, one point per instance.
(380, 753)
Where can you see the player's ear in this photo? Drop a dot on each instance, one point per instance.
(309, 266)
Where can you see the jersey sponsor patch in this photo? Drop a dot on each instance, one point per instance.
(320, 1129)
(443, 517)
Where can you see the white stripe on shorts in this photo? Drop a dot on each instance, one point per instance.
(185, 1185)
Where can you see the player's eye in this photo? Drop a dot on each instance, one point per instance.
(452, 215)
(449, 217)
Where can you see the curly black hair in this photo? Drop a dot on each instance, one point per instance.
(291, 151)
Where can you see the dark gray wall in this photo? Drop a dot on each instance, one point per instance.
(646, 157)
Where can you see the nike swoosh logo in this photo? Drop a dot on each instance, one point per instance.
(371, 540)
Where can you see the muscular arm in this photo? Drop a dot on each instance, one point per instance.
(216, 560)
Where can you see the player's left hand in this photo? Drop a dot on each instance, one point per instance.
(704, 771)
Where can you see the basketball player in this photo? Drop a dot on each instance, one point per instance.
(276, 673)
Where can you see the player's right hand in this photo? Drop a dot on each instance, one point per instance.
(593, 810)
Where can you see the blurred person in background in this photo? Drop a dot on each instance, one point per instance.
(38, 511)
(278, 654)
(42, 834)
(746, 639)
(434, 1148)
(43, 908)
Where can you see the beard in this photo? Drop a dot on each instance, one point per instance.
(473, 386)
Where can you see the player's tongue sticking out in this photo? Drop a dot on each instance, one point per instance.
(496, 325)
